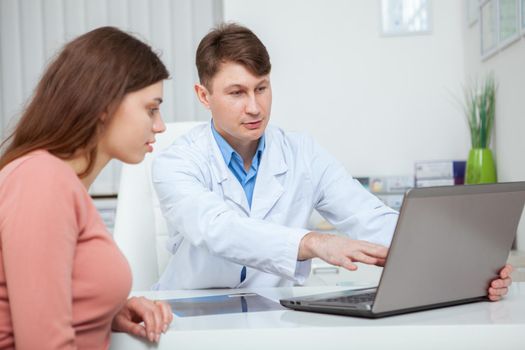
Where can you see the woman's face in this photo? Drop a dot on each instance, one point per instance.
(130, 133)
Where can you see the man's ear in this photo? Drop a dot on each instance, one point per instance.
(202, 95)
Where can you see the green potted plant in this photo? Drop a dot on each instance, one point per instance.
(480, 108)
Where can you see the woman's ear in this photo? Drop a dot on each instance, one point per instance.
(202, 95)
(104, 117)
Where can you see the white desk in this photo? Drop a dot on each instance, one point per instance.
(482, 325)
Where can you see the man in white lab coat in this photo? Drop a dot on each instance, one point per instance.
(237, 194)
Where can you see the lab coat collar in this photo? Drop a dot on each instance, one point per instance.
(228, 152)
(231, 187)
(267, 190)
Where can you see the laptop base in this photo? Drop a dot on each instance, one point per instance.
(367, 312)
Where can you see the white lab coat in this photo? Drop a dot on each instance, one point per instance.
(214, 233)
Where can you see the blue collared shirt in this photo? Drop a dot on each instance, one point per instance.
(236, 164)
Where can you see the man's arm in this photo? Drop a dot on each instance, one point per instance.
(206, 220)
(356, 212)
(341, 251)
(344, 202)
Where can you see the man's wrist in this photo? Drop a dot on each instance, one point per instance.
(307, 246)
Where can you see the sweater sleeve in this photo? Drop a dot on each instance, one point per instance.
(39, 235)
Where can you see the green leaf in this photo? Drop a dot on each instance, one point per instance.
(480, 108)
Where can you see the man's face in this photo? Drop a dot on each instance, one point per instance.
(240, 103)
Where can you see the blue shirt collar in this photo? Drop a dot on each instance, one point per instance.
(228, 151)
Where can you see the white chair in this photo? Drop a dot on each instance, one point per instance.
(140, 230)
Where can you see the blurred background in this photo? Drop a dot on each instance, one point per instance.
(379, 83)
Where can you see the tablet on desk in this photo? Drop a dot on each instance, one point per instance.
(222, 304)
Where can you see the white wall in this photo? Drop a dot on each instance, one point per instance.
(508, 67)
(378, 103)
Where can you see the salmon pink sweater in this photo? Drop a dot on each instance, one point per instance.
(62, 278)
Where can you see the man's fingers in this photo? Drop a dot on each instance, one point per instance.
(381, 262)
(362, 257)
(497, 291)
(501, 283)
(369, 253)
(499, 286)
(507, 281)
(506, 271)
(343, 251)
(348, 264)
(494, 297)
(375, 250)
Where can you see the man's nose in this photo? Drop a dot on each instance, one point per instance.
(252, 107)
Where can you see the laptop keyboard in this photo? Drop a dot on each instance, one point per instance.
(352, 299)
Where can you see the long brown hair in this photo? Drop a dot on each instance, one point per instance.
(88, 78)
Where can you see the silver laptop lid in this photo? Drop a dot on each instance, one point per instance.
(450, 242)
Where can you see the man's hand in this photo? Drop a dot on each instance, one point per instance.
(156, 316)
(499, 287)
(341, 251)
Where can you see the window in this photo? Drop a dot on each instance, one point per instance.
(489, 27)
(402, 17)
(499, 24)
(508, 21)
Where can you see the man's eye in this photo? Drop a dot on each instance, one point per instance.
(261, 88)
(236, 93)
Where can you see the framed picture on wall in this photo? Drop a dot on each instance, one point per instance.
(405, 17)
(472, 11)
(488, 27)
(508, 21)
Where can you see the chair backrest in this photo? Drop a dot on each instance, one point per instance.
(140, 229)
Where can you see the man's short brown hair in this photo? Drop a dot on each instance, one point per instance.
(230, 42)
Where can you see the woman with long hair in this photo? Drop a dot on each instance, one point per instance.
(63, 281)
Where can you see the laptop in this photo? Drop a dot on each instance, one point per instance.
(449, 244)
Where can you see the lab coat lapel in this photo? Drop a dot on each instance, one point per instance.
(231, 187)
(268, 189)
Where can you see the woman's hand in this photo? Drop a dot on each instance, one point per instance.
(156, 316)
